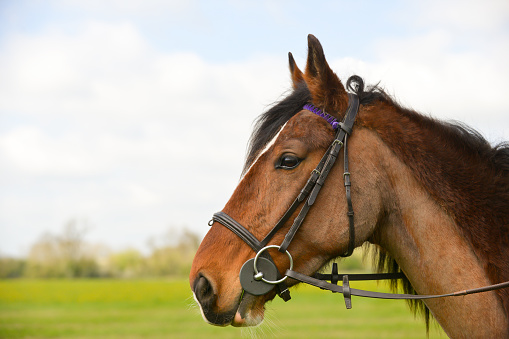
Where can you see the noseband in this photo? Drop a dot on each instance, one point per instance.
(258, 276)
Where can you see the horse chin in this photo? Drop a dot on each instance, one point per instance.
(251, 310)
(248, 320)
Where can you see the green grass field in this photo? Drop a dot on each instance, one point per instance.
(165, 309)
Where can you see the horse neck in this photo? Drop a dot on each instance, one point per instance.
(432, 252)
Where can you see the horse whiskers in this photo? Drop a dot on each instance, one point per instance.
(191, 303)
(271, 324)
(267, 328)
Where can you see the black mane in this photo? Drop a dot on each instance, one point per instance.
(268, 124)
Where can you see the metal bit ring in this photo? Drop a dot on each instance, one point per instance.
(256, 260)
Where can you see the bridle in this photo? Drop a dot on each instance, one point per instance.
(259, 275)
(309, 191)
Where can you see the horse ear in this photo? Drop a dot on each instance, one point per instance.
(327, 91)
(297, 76)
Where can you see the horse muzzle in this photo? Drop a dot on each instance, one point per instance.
(205, 295)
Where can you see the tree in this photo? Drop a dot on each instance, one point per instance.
(173, 254)
(126, 264)
(11, 267)
(62, 255)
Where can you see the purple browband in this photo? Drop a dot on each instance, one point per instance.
(330, 119)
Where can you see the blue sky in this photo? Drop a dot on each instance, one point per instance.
(222, 31)
(133, 116)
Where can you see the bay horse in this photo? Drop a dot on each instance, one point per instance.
(432, 198)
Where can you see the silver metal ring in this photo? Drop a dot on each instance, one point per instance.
(256, 260)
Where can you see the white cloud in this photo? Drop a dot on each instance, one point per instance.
(118, 128)
(425, 74)
(127, 7)
(31, 151)
(465, 15)
(55, 73)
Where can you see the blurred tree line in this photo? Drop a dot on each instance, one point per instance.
(68, 255)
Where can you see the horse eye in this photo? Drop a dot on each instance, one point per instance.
(288, 161)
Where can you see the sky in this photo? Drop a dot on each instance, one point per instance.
(133, 117)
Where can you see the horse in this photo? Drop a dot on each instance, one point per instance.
(431, 197)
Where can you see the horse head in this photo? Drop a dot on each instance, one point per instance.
(279, 163)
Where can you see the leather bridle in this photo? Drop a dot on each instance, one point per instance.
(255, 271)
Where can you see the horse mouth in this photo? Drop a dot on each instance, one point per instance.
(251, 310)
(247, 320)
(248, 312)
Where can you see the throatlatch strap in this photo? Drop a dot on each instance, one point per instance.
(350, 213)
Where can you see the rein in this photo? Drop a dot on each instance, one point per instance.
(258, 276)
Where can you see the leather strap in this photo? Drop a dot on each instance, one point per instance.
(334, 277)
(379, 295)
(359, 276)
(234, 226)
(293, 207)
(350, 213)
(330, 158)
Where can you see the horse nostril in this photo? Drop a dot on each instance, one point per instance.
(204, 291)
(207, 299)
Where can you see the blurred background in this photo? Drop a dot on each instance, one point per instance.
(124, 124)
